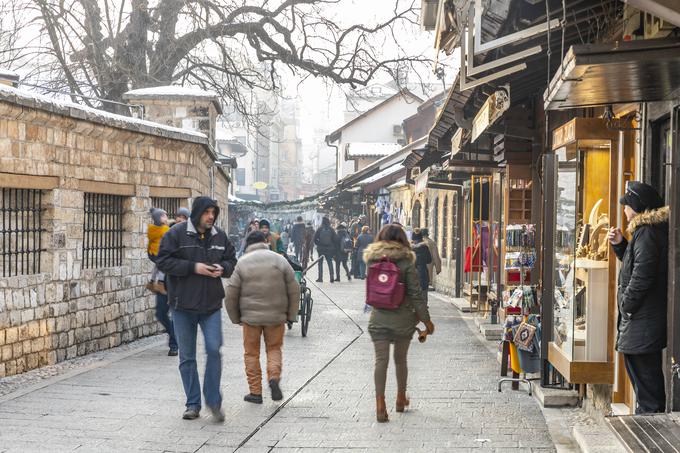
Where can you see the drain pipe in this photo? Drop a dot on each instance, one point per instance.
(337, 151)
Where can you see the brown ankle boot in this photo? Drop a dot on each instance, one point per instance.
(402, 401)
(381, 409)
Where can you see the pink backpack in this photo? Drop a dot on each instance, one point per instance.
(383, 288)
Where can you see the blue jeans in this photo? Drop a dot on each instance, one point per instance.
(186, 329)
(362, 268)
(162, 310)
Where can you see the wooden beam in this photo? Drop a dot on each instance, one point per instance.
(108, 188)
(169, 192)
(14, 181)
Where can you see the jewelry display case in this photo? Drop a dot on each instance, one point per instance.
(585, 198)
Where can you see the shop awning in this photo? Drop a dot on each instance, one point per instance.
(383, 178)
(616, 73)
(380, 165)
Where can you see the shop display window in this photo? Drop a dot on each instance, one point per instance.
(581, 253)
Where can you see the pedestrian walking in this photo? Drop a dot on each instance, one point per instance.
(355, 230)
(297, 235)
(262, 295)
(364, 240)
(642, 293)
(182, 215)
(423, 259)
(308, 246)
(344, 246)
(436, 264)
(326, 244)
(273, 239)
(155, 232)
(395, 326)
(195, 255)
(285, 240)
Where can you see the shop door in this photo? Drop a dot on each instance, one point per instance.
(623, 398)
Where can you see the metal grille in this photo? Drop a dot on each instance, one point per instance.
(21, 230)
(435, 220)
(445, 227)
(169, 205)
(103, 231)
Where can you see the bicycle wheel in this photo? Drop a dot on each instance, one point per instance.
(305, 313)
(310, 305)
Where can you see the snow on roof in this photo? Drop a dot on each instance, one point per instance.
(172, 90)
(400, 183)
(364, 149)
(236, 199)
(67, 108)
(6, 73)
(382, 174)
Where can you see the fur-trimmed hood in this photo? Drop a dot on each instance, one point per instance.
(392, 250)
(652, 217)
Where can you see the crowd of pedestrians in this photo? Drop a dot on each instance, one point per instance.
(191, 256)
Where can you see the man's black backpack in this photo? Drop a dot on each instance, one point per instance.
(326, 237)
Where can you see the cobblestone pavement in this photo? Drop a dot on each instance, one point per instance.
(133, 400)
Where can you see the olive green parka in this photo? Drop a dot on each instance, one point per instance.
(400, 323)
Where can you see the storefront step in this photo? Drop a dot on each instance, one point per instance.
(491, 332)
(549, 397)
(461, 304)
(597, 439)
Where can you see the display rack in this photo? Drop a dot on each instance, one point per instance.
(519, 299)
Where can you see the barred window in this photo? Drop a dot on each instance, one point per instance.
(435, 220)
(103, 231)
(169, 205)
(21, 230)
(445, 227)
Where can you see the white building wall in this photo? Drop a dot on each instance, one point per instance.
(376, 127)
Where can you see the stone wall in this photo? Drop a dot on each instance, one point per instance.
(66, 310)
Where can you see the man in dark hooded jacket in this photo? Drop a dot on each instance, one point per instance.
(325, 240)
(643, 293)
(195, 256)
(297, 235)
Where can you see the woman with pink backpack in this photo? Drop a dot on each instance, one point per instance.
(393, 290)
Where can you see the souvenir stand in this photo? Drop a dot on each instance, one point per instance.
(481, 253)
(585, 205)
(520, 346)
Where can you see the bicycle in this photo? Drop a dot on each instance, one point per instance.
(306, 301)
(306, 305)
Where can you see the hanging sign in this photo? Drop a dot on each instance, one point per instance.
(421, 181)
(564, 134)
(493, 108)
(456, 141)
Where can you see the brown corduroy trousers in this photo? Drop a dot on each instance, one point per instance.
(273, 342)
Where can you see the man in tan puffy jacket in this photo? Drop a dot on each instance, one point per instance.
(262, 295)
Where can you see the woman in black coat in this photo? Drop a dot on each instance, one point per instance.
(423, 258)
(642, 293)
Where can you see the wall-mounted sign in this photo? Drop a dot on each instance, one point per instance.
(260, 185)
(456, 141)
(421, 181)
(564, 134)
(493, 108)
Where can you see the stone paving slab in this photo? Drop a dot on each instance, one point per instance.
(135, 403)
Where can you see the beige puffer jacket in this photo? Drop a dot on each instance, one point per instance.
(262, 291)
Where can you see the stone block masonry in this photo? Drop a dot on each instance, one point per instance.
(68, 309)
